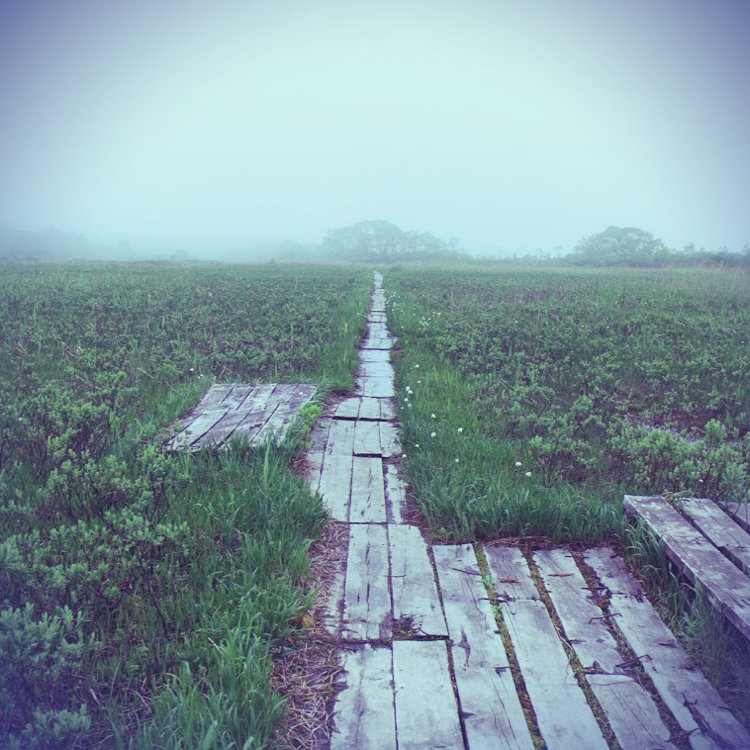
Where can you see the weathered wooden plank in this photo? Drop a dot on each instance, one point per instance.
(370, 408)
(348, 408)
(368, 491)
(492, 712)
(197, 428)
(387, 409)
(241, 401)
(367, 438)
(395, 495)
(378, 387)
(630, 710)
(416, 603)
(693, 701)
(367, 599)
(377, 370)
(426, 710)
(725, 587)
(364, 713)
(563, 715)
(335, 485)
(340, 438)
(389, 442)
(739, 512)
(282, 406)
(316, 452)
(374, 355)
(720, 530)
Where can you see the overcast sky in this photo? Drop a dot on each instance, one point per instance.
(509, 125)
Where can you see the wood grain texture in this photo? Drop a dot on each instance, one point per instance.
(492, 712)
(364, 712)
(693, 701)
(367, 598)
(416, 603)
(563, 715)
(368, 491)
(725, 587)
(340, 438)
(390, 445)
(335, 485)
(720, 529)
(426, 710)
(630, 710)
(395, 495)
(367, 438)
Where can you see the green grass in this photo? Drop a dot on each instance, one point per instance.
(142, 595)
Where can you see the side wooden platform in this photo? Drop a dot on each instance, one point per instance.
(725, 586)
(235, 410)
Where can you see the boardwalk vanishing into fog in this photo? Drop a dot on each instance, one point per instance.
(485, 646)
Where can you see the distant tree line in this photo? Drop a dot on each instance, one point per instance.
(381, 241)
(630, 246)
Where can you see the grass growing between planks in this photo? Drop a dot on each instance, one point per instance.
(532, 400)
(717, 648)
(142, 595)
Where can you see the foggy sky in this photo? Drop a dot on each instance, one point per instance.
(510, 125)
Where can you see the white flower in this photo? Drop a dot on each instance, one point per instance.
(518, 463)
(456, 460)
(416, 445)
(528, 473)
(433, 434)
(416, 367)
(460, 429)
(432, 416)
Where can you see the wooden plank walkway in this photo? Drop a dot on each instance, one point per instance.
(725, 586)
(229, 411)
(537, 651)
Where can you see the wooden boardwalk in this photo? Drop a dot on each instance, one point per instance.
(230, 411)
(707, 546)
(470, 646)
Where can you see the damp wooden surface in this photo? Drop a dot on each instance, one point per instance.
(416, 603)
(368, 491)
(364, 714)
(367, 599)
(629, 708)
(492, 711)
(692, 700)
(725, 586)
(563, 715)
(426, 710)
(231, 411)
(720, 529)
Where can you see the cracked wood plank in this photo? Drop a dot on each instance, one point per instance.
(492, 712)
(563, 715)
(389, 442)
(378, 387)
(370, 408)
(335, 485)
(725, 587)
(630, 710)
(415, 594)
(367, 598)
(243, 402)
(364, 713)
(693, 701)
(367, 438)
(340, 438)
(720, 530)
(395, 495)
(426, 710)
(368, 491)
(348, 408)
